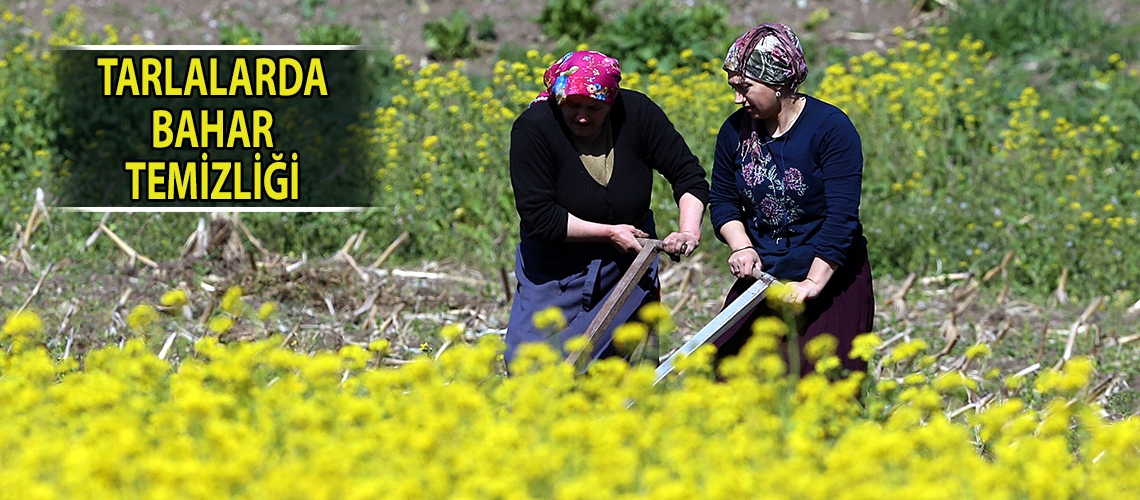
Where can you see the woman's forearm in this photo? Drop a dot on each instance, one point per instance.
(578, 230)
(820, 272)
(622, 236)
(735, 235)
(692, 212)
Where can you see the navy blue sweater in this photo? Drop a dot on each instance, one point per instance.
(797, 195)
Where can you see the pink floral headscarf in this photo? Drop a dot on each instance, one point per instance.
(585, 72)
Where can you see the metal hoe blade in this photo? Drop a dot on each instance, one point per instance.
(721, 323)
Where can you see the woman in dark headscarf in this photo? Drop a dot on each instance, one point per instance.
(786, 183)
(582, 160)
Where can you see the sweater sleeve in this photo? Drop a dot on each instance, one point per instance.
(724, 199)
(533, 180)
(840, 154)
(669, 154)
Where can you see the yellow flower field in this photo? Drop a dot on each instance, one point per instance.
(256, 420)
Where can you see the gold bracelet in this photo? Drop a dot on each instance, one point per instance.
(742, 248)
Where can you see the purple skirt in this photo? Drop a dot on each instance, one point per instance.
(845, 309)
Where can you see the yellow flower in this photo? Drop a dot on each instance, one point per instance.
(657, 317)
(823, 345)
(231, 301)
(380, 346)
(141, 316)
(827, 363)
(953, 381)
(1013, 381)
(978, 351)
(220, 324)
(699, 360)
(863, 347)
(266, 310)
(769, 327)
(576, 344)
(23, 323)
(924, 398)
(780, 297)
(1075, 375)
(907, 350)
(628, 336)
(452, 332)
(550, 319)
(915, 379)
(430, 142)
(401, 62)
(174, 298)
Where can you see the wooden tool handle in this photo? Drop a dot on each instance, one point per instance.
(659, 245)
(609, 308)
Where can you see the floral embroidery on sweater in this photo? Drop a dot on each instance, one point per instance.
(763, 177)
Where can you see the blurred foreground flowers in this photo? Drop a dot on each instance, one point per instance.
(255, 420)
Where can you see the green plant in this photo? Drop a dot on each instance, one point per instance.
(239, 34)
(511, 52)
(1019, 26)
(817, 17)
(308, 7)
(329, 34)
(575, 20)
(819, 54)
(485, 29)
(450, 38)
(1064, 37)
(662, 30)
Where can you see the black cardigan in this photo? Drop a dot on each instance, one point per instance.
(550, 181)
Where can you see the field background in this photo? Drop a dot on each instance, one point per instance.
(1030, 252)
(358, 355)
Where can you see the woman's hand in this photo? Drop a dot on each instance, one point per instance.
(804, 290)
(813, 284)
(681, 243)
(742, 261)
(624, 237)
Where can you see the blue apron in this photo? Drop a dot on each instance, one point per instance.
(577, 278)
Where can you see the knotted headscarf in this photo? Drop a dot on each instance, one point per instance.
(585, 72)
(769, 53)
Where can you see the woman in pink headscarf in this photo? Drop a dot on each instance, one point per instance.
(582, 161)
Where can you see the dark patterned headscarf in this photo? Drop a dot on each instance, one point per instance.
(769, 53)
(585, 72)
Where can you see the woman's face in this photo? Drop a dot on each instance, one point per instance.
(584, 115)
(758, 99)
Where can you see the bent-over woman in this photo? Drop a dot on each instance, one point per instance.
(582, 161)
